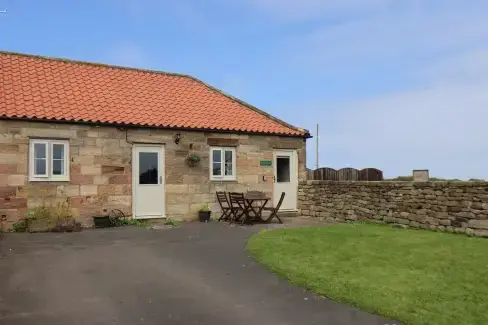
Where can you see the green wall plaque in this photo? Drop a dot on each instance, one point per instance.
(265, 163)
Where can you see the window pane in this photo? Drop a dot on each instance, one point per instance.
(58, 151)
(228, 156)
(228, 163)
(283, 169)
(216, 156)
(148, 168)
(39, 150)
(58, 167)
(217, 169)
(228, 170)
(40, 166)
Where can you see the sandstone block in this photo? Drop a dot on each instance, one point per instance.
(248, 179)
(92, 134)
(172, 198)
(195, 178)
(87, 212)
(81, 179)
(9, 158)
(119, 199)
(89, 142)
(176, 188)
(8, 191)
(33, 202)
(83, 160)
(16, 180)
(13, 203)
(6, 138)
(101, 179)
(114, 189)
(9, 148)
(67, 190)
(200, 188)
(48, 133)
(202, 198)
(120, 179)
(88, 190)
(22, 166)
(177, 209)
(91, 170)
(90, 151)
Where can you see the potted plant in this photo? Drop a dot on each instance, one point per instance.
(101, 221)
(193, 159)
(39, 219)
(204, 213)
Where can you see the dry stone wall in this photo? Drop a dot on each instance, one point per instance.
(460, 207)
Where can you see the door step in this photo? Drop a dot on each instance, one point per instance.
(288, 214)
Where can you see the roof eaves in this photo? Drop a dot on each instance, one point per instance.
(143, 126)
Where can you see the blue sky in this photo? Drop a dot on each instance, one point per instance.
(394, 84)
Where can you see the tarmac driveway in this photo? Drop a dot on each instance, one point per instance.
(196, 274)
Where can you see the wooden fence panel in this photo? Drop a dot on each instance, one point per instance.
(329, 174)
(370, 174)
(348, 174)
(345, 174)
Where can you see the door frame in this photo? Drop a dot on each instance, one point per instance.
(294, 173)
(135, 182)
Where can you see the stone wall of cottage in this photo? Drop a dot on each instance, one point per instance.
(101, 170)
(460, 207)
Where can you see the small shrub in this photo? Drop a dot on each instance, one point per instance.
(62, 211)
(172, 222)
(20, 226)
(205, 208)
(58, 218)
(132, 222)
(41, 212)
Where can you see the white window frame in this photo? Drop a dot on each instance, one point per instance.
(48, 177)
(223, 177)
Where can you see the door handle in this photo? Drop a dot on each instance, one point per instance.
(274, 179)
(160, 179)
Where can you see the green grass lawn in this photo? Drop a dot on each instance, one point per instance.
(413, 276)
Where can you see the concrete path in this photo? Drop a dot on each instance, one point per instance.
(196, 274)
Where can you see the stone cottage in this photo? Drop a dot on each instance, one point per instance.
(105, 137)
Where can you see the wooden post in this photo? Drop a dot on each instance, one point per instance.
(317, 147)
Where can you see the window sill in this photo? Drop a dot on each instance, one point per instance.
(223, 180)
(48, 180)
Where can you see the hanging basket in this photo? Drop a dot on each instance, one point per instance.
(193, 160)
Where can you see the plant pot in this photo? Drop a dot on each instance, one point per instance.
(101, 221)
(39, 225)
(204, 216)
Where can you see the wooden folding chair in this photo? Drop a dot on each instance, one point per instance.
(224, 206)
(237, 205)
(274, 210)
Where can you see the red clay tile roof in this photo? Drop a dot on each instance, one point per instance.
(35, 87)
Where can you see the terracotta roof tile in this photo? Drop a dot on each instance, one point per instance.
(43, 88)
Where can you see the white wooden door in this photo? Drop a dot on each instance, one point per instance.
(285, 178)
(148, 181)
